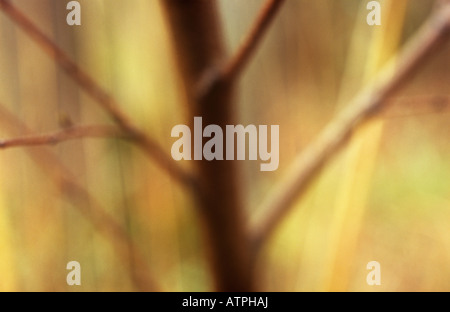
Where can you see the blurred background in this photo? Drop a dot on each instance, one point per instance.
(384, 198)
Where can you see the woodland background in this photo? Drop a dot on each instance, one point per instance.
(312, 61)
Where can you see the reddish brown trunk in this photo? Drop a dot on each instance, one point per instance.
(199, 48)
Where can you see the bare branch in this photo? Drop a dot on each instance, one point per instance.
(66, 63)
(252, 40)
(103, 98)
(308, 164)
(77, 194)
(237, 63)
(63, 135)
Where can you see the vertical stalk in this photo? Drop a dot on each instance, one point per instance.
(354, 188)
(200, 49)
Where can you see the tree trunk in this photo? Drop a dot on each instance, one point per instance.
(200, 50)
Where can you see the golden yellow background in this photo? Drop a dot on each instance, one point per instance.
(384, 198)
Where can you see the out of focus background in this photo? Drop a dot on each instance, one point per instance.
(385, 198)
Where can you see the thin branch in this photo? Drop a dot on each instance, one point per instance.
(66, 182)
(66, 63)
(63, 135)
(237, 63)
(103, 98)
(252, 40)
(308, 164)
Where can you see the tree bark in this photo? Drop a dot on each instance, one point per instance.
(200, 51)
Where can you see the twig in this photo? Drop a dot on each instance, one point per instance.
(63, 135)
(252, 40)
(249, 45)
(308, 165)
(82, 200)
(103, 98)
(66, 63)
